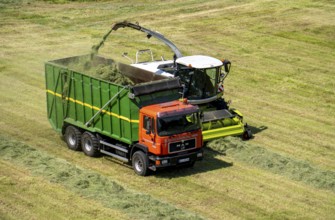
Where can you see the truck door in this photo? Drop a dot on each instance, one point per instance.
(148, 131)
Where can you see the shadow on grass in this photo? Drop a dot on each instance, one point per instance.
(256, 130)
(209, 163)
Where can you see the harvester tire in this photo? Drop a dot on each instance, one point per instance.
(90, 144)
(73, 137)
(140, 163)
(247, 135)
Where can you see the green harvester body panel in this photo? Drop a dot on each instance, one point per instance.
(230, 125)
(227, 127)
(96, 105)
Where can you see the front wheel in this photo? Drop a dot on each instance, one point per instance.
(90, 144)
(140, 163)
(190, 165)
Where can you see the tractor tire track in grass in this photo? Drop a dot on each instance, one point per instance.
(279, 164)
(88, 183)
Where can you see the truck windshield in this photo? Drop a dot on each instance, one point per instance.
(178, 124)
(199, 83)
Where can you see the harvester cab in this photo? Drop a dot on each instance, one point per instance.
(202, 78)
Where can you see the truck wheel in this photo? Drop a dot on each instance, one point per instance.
(191, 164)
(90, 144)
(140, 163)
(72, 137)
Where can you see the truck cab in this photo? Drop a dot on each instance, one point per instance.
(171, 134)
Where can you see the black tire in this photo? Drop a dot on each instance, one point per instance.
(190, 165)
(220, 104)
(73, 138)
(247, 135)
(140, 163)
(90, 144)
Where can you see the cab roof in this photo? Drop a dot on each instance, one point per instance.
(199, 61)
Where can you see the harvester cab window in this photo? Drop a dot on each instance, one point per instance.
(203, 83)
(211, 77)
(199, 83)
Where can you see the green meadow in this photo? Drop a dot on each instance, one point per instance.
(282, 79)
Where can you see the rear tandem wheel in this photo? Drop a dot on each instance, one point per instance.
(90, 144)
(72, 137)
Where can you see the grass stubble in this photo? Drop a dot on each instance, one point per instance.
(269, 160)
(89, 184)
(268, 64)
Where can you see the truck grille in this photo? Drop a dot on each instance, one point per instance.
(181, 145)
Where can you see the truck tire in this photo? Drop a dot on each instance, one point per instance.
(190, 165)
(140, 163)
(90, 144)
(72, 137)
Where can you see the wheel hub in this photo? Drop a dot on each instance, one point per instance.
(138, 165)
(72, 139)
(88, 145)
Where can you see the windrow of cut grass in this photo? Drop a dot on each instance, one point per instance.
(267, 159)
(25, 196)
(88, 183)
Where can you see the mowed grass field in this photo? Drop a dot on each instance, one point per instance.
(282, 79)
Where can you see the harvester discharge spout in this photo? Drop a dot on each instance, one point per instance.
(136, 26)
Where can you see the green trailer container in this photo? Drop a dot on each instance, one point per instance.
(76, 98)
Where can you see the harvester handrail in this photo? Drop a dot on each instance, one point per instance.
(203, 101)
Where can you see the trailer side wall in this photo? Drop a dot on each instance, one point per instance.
(74, 98)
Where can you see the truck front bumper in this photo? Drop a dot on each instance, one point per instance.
(184, 158)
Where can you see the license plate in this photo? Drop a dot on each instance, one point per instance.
(184, 160)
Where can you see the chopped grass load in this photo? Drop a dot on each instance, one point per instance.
(89, 65)
(112, 74)
(283, 165)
